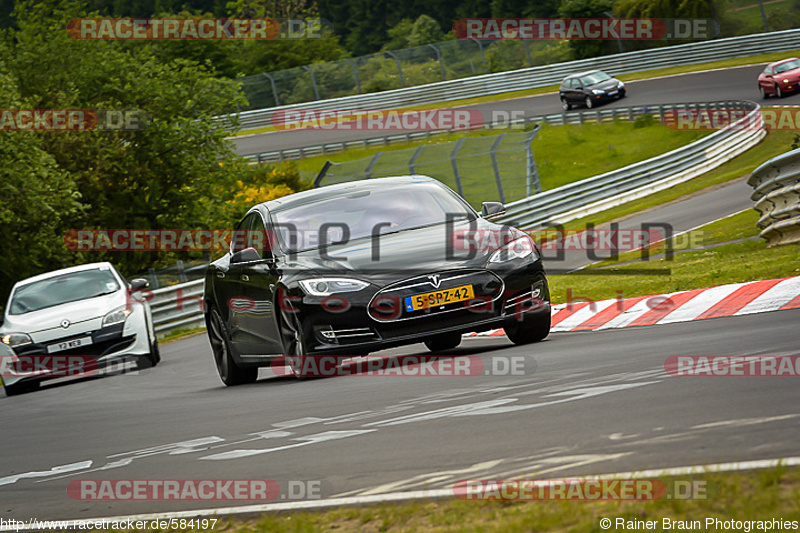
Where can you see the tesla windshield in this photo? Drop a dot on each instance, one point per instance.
(62, 289)
(353, 215)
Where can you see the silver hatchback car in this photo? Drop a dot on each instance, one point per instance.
(72, 322)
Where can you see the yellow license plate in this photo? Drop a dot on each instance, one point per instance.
(440, 297)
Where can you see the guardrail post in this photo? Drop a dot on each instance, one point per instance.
(493, 154)
(274, 88)
(441, 63)
(372, 163)
(454, 164)
(399, 68)
(532, 174)
(313, 81)
(480, 47)
(355, 73)
(413, 160)
(153, 278)
(181, 273)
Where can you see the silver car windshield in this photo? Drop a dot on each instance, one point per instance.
(62, 289)
(364, 213)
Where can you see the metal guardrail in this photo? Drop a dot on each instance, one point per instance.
(179, 306)
(529, 78)
(777, 197)
(573, 117)
(613, 188)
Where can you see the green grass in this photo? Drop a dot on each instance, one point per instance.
(775, 143)
(736, 262)
(564, 154)
(180, 334)
(642, 75)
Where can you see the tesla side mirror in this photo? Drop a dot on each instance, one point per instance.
(490, 210)
(248, 255)
(139, 284)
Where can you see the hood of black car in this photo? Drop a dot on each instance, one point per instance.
(405, 253)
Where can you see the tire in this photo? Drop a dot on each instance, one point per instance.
(778, 91)
(528, 331)
(440, 343)
(151, 359)
(294, 347)
(21, 388)
(589, 103)
(764, 95)
(565, 104)
(229, 372)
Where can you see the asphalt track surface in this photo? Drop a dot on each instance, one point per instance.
(730, 84)
(586, 403)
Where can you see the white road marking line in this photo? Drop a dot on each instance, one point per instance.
(428, 494)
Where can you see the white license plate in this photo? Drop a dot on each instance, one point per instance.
(613, 93)
(68, 345)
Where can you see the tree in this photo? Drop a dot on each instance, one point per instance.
(174, 173)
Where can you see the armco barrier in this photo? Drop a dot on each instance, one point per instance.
(529, 78)
(640, 179)
(777, 197)
(573, 117)
(178, 307)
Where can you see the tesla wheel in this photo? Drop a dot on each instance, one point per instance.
(589, 103)
(440, 343)
(764, 94)
(778, 91)
(528, 331)
(566, 105)
(294, 347)
(229, 372)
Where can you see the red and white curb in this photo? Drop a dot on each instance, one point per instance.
(698, 304)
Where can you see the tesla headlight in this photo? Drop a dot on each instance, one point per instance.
(116, 316)
(328, 286)
(517, 249)
(16, 339)
(597, 91)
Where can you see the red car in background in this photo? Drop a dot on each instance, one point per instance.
(780, 78)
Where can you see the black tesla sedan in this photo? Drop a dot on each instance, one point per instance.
(589, 89)
(357, 267)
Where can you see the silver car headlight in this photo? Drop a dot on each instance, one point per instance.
(516, 249)
(621, 85)
(16, 339)
(329, 286)
(597, 91)
(117, 316)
